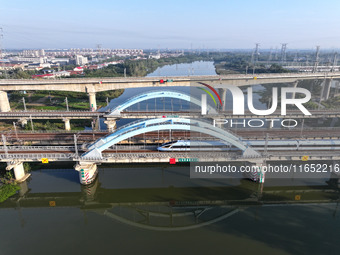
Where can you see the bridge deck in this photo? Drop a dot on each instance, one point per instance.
(89, 85)
(333, 113)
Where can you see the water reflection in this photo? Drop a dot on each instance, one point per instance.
(165, 206)
(169, 187)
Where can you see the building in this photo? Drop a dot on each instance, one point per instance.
(9, 66)
(80, 60)
(33, 53)
(40, 60)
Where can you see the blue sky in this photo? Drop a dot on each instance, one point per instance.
(170, 24)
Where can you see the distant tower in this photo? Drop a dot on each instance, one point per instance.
(316, 63)
(283, 52)
(270, 54)
(335, 61)
(276, 57)
(99, 49)
(255, 55)
(257, 52)
(2, 54)
(295, 58)
(1, 36)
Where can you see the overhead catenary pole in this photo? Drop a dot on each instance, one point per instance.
(335, 61)
(302, 124)
(283, 52)
(255, 56)
(270, 55)
(31, 123)
(316, 63)
(66, 101)
(5, 145)
(16, 132)
(76, 145)
(266, 145)
(23, 100)
(98, 121)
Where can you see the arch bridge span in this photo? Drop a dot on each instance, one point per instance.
(157, 94)
(136, 128)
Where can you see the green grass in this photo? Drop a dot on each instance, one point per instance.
(8, 190)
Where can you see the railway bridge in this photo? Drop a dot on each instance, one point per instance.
(93, 85)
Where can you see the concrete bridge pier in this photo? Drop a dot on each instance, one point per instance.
(23, 122)
(111, 124)
(223, 95)
(4, 103)
(256, 172)
(334, 121)
(261, 173)
(326, 88)
(67, 124)
(87, 172)
(93, 102)
(292, 95)
(19, 172)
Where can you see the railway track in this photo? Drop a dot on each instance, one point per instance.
(93, 136)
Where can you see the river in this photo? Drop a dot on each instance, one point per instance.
(159, 209)
(167, 104)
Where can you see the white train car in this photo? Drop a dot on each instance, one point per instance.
(260, 145)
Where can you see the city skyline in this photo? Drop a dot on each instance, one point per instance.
(221, 24)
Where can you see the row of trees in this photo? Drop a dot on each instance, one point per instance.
(143, 66)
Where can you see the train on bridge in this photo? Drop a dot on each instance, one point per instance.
(259, 145)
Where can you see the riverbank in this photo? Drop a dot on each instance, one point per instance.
(8, 186)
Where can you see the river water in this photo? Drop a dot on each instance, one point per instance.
(158, 209)
(167, 104)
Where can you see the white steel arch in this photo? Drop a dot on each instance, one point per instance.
(158, 94)
(144, 126)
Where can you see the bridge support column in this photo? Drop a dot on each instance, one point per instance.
(326, 88)
(295, 84)
(223, 95)
(111, 124)
(87, 172)
(67, 124)
(257, 172)
(22, 122)
(4, 103)
(334, 121)
(93, 102)
(19, 172)
(261, 172)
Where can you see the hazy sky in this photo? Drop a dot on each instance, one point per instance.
(170, 24)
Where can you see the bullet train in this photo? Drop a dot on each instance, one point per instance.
(260, 145)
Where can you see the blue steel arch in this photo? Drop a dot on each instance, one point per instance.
(144, 126)
(158, 94)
